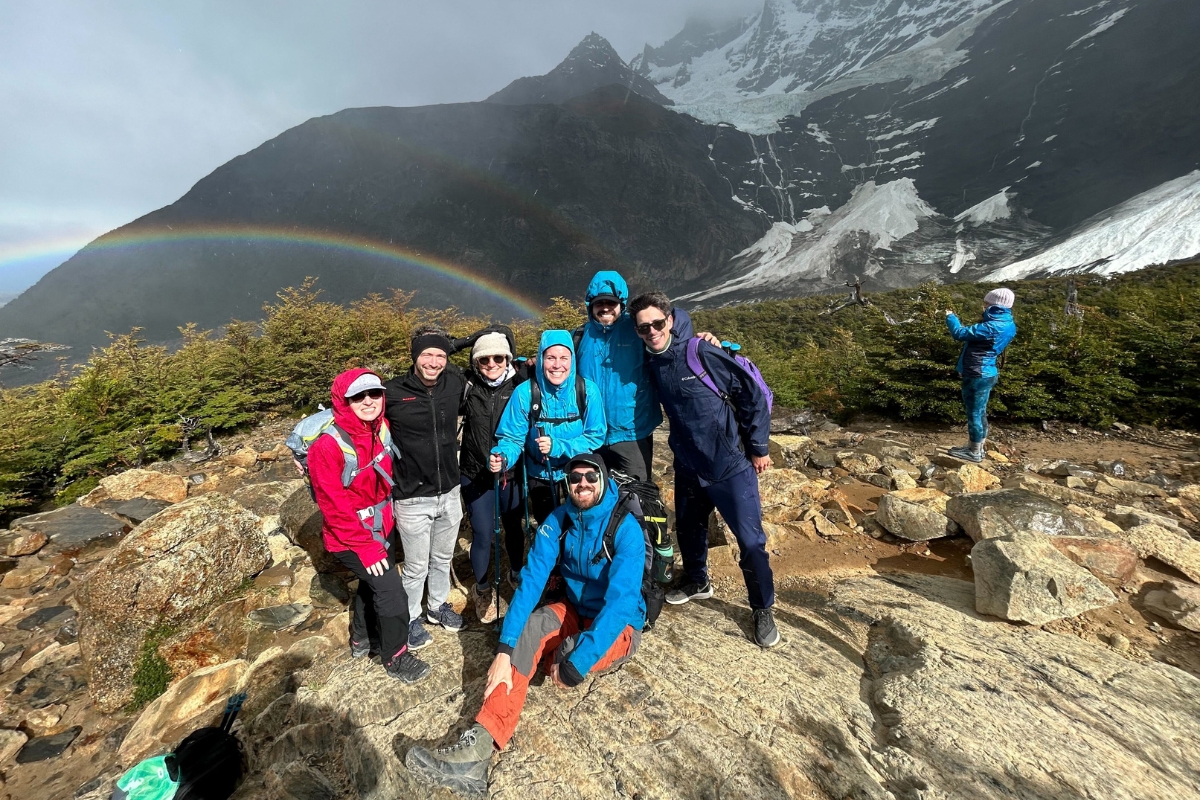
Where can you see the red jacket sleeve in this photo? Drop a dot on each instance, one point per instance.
(339, 505)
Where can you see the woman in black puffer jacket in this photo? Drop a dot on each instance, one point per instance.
(490, 383)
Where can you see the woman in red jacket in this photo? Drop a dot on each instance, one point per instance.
(358, 528)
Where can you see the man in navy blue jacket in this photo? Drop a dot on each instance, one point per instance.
(720, 447)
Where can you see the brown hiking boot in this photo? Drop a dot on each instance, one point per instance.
(485, 604)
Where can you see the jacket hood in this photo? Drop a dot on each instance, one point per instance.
(608, 495)
(997, 312)
(607, 282)
(346, 419)
(550, 339)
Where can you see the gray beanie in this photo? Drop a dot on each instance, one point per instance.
(999, 297)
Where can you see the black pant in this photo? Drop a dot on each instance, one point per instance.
(635, 459)
(379, 610)
(480, 496)
(544, 497)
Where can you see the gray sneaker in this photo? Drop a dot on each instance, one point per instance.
(966, 453)
(446, 617)
(461, 768)
(689, 591)
(765, 632)
(418, 637)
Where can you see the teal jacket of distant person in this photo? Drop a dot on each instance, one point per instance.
(984, 341)
(570, 431)
(614, 358)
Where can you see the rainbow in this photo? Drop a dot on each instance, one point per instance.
(128, 237)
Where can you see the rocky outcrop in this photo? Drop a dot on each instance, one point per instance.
(71, 527)
(1107, 559)
(138, 483)
(915, 514)
(1170, 547)
(167, 571)
(893, 688)
(1178, 602)
(1023, 578)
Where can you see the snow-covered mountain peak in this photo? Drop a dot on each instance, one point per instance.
(992, 209)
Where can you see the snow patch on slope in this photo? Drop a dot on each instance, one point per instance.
(786, 253)
(1155, 227)
(994, 208)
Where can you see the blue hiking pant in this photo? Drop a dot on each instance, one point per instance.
(738, 501)
(975, 393)
(480, 497)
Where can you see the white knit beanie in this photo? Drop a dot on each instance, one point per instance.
(999, 297)
(491, 344)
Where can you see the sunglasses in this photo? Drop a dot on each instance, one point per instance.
(374, 394)
(591, 476)
(483, 361)
(644, 328)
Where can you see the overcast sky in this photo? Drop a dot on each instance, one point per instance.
(111, 110)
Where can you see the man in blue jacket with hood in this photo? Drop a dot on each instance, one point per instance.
(611, 355)
(569, 420)
(595, 630)
(984, 342)
(720, 447)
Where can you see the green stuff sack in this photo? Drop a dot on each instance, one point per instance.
(149, 780)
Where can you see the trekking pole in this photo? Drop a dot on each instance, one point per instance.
(496, 544)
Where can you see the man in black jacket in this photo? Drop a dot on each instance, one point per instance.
(422, 412)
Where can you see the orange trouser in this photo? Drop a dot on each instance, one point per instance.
(547, 629)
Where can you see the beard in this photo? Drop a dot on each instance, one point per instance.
(583, 504)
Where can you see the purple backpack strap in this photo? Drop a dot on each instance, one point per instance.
(697, 368)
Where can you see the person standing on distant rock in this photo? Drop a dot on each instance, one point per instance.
(357, 525)
(568, 419)
(720, 447)
(611, 355)
(422, 410)
(595, 630)
(490, 384)
(984, 342)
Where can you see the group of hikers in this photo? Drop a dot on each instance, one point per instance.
(544, 437)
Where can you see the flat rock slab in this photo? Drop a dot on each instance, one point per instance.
(892, 687)
(72, 527)
(44, 748)
(51, 617)
(278, 618)
(1003, 512)
(133, 511)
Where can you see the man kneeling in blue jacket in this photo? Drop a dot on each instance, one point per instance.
(720, 447)
(595, 630)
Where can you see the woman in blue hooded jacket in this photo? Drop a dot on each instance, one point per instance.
(561, 429)
(983, 343)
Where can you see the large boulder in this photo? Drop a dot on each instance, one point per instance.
(1003, 512)
(167, 571)
(138, 483)
(1023, 578)
(970, 478)
(266, 499)
(917, 519)
(1170, 547)
(1107, 559)
(301, 520)
(1178, 602)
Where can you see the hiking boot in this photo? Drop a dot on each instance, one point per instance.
(407, 668)
(445, 617)
(689, 591)
(967, 453)
(418, 637)
(461, 768)
(765, 632)
(363, 649)
(485, 604)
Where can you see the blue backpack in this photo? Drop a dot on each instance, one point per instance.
(697, 367)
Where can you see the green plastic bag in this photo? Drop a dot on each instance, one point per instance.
(148, 780)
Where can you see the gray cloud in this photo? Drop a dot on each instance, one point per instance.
(115, 109)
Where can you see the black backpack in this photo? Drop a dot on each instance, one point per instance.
(643, 500)
(535, 402)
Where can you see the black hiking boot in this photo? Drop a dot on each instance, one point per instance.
(689, 591)
(765, 632)
(407, 668)
(364, 649)
(462, 768)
